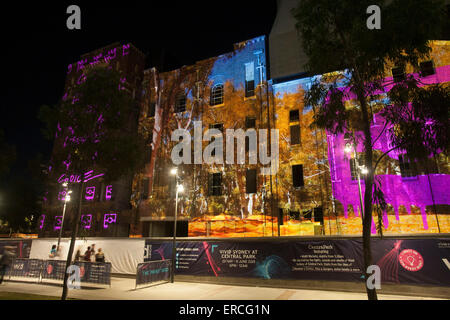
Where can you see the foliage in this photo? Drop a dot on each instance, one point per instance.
(96, 126)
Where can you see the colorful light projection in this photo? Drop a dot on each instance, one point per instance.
(90, 193)
(41, 221)
(108, 194)
(109, 218)
(77, 178)
(107, 58)
(58, 222)
(419, 191)
(86, 221)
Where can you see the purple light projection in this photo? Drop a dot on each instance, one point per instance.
(109, 218)
(41, 221)
(397, 189)
(107, 58)
(90, 193)
(88, 176)
(62, 195)
(58, 222)
(86, 221)
(108, 195)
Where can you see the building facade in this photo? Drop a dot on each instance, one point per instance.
(205, 119)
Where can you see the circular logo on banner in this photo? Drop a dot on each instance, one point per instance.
(49, 269)
(411, 260)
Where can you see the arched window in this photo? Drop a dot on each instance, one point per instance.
(216, 95)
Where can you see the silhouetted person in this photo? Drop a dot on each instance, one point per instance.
(99, 256)
(87, 254)
(5, 261)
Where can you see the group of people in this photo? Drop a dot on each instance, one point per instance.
(90, 255)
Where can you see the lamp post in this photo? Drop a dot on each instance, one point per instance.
(66, 199)
(349, 148)
(179, 189)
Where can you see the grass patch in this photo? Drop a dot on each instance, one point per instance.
(26, 296)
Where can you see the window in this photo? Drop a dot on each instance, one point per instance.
(180, 103)
(249, 88)
(250, 122)
(297, 176)
(151, 109)
(353, 169)
(250, 181)
(249, 79)
(294, 116)
(399, 74)
(295, 134)
(427, 68)
(216, 97)
(218, 126)
(215, 184)
(407, 168)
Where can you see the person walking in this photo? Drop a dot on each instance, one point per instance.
(5, 261)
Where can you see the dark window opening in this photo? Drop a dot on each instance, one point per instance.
(250, 181)
(407, 168)
(295, 134)
(297, 176)
(215, 184)
(353, 169)
(145, 188)
(399, 74)
(294, 115)
(427, 68)
(250, 122)
(249, 88)
(216, 97)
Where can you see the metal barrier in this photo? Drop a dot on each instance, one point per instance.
(90, 272)
(25, 268)
(153, 271)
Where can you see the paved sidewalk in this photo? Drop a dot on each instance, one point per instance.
(123, 289)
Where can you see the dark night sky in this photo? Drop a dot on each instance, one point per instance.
(37, 47)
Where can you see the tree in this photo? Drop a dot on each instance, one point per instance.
(96, 128)
(335, 38)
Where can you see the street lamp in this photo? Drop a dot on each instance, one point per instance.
(179, 189)
(66, 199)
(349, 147)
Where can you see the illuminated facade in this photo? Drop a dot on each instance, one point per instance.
(106, 209)
(312, 191)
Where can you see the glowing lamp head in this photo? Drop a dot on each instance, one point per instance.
(67, 198)
(364, 170)
(173, 171)
(64, 184)
(180, 188)
(348, 148)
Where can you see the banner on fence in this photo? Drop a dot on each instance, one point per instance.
(408, 261)
(30, 268)
(95, 272)
(53, 269)
(153, 271)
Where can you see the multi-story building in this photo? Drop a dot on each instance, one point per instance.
(106, 209)
(311, 188)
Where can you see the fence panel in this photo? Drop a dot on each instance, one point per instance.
(95, 272)
(25, 268)
(53, 269)
(153, 271)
